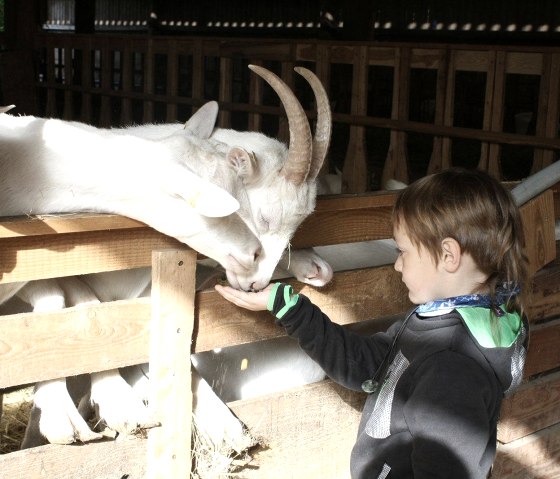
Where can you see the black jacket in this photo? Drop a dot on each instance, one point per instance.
(435, 411)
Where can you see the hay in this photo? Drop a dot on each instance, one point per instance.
(211, 461)
(17, 405)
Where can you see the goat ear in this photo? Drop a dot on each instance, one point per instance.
(202, 123)
(206, 198)
(243, 163)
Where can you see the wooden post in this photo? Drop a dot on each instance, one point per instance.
(226, 91)
(172, 82)
(445, 92)
(173, 295)
(396, 164)
(547, 114)
(355, 172)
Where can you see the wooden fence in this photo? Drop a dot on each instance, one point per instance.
(400, 110)
(301, 427)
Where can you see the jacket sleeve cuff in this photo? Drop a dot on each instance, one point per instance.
(281, 299)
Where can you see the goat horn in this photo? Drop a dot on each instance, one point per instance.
(296, 167)
(323, 127)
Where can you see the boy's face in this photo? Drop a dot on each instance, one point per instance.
(423, 278)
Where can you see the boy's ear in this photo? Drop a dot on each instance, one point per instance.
(450, 254)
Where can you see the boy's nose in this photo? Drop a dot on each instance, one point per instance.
(398, 265)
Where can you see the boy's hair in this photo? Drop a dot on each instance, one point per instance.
(476, 210)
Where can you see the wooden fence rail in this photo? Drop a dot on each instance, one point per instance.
(302, 426)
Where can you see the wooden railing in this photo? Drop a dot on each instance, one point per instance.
(301, 426)
(381, 109)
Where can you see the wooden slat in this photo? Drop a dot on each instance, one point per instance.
(545, 295)
(538, 227)
(396, 163)
(42, 346)
(355, 171)
(126, 82)
(68, 79)
(477, 61)
(359, 225)
(86, 110)
(70, 223)
(544, 353)
(37, 257)
(534, 406)
(173, 291)
(445, 88)
(351, 297)
(309, 431)
(226, 91)
(172, 77)
(536, 456)
(256, 85)
(102, 460)
(497, 115)
(547, 117)
(524, 63)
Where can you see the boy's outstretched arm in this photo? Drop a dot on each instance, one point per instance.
(252, 301)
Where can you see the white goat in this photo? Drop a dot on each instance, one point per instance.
(34, 152)
(280, 184)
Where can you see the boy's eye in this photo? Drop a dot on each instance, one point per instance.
(399, 251)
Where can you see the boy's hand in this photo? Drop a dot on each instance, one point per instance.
(252, 301)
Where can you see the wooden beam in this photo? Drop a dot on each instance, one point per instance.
(544, 354)
(173, 292)
(302, 431)
(41, 346)
(534, 406)
(107, 459)
(37, 257)
(534, 456)
(538, 227)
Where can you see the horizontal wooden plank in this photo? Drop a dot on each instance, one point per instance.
(35, 257)
(64, 223)
(545, 295)
(94, 243)
(351, 297)
(536, 456)
(102, 460)
(303, 431)
(534, 406)
(345, 226)
(524, 63)
(41, 346)
(544, 353)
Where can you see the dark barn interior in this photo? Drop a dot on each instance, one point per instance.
(501, 88)
(415, 86)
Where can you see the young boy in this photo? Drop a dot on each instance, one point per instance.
(435, 380)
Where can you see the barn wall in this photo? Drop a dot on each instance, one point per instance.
(400, 110)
